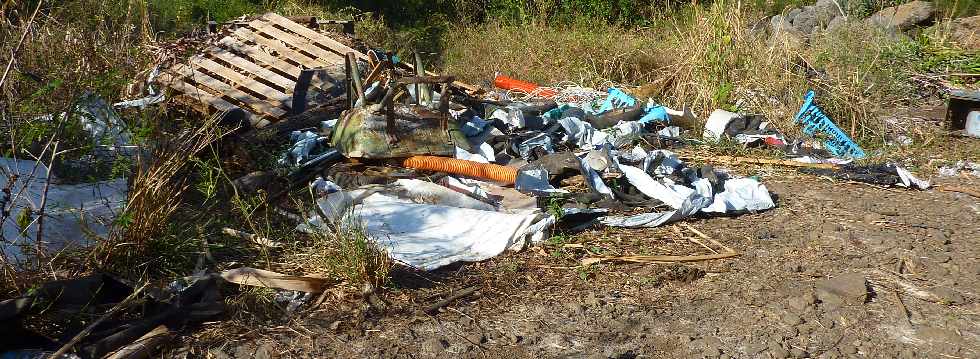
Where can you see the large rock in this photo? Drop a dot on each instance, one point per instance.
(966, 32)
(784, 33)
(850, 288)
(810, 19)
(904, 17)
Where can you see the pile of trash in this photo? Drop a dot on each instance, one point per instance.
(438, 174)
(467, 176)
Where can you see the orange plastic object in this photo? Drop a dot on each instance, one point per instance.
(488, 171)
(513, 84)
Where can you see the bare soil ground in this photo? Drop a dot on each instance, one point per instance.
(836, 270)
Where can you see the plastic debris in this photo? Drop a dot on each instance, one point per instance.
(814, 121)
(972, 168)
(71, 210)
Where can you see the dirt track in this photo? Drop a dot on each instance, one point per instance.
(836, 270)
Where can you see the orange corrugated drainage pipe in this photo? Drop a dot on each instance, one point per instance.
(487, 171)
(509, 83)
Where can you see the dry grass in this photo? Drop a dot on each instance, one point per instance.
(154, 195)
(345, 252)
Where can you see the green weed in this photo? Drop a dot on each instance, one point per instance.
(345, 252)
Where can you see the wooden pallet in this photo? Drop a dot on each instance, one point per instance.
(255, 68)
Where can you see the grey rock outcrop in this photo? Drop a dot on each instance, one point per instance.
(966, 32)
(904, 17)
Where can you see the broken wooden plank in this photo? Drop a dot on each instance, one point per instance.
(326, 57)
(241, 80)
(256, 53)
(326, 42)
(268, 279)
(208, 100)
(255, 70)
(342, 49)
(196, 93)
(228, 90)
(278, 46)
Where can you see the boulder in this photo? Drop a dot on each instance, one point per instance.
(836, 23)
(785, 33)
(904, 17)
(806, 21)
(825, 11)
(966, 32)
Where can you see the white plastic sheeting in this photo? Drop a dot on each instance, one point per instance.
(447, 227)
(740, 194)
(70, 211)
(429, 236)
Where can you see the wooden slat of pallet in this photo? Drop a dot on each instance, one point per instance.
(192, 91)
(312, 35)
(275, 96)
(226, 89)
(339, 48)
(256, 53)
(206, 98)
(254, 69)
(247, 35)
(327, 57)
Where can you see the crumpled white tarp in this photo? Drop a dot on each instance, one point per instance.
(740, 195)
(70, 210)
(587, 137)
(438, 232)
(430, 236)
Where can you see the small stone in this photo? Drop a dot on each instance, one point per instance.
(806, 328)
(826, 323)
(476, 338)
(797, 353)
(218, 354)
(867, 349)
(848, 349)
(850, 288)
(791, 319)
(948, 295)
(264, 351)
(907, 354)
(777, 350)
(793, 267)
(434, 345)
(593, 301)
(802, 302)
(754, 348)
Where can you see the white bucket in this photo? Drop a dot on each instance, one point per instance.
(715, 126)
(973, 124)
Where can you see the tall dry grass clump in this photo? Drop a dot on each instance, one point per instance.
(345, 252)
(154, 196)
